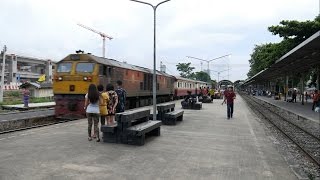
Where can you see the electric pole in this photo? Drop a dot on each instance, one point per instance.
(2, 72)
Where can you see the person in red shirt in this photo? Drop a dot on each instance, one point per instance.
(229, 98)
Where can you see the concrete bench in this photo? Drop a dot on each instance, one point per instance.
(109, 133)
(205, 99)
(137, 133)
(127, 122)
(163, 109)
(168, 115)
(172, 117)
(195, 106)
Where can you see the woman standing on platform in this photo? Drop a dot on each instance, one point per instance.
(103, 106)
(92, 109)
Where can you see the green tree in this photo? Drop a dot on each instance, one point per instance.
(266, 54)
(185, 70)
(296, 30)
(292, 32)
(202, 76)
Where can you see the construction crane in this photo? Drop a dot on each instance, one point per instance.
(103, 35)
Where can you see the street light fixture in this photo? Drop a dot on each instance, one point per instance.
(154, 87)
(208, 61)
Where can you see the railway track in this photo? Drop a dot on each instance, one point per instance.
(305, 141)
(48, 119)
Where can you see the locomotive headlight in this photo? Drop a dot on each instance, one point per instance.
(60, 78)
(85, 78)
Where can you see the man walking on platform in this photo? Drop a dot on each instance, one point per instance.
(229, 98)
(294, 96)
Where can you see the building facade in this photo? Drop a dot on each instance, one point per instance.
(19, 69)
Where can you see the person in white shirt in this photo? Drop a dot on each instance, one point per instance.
(92, 110)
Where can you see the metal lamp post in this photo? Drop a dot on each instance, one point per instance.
(208, 61)
(154, 87)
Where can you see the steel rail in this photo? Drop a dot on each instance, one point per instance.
(310, 155)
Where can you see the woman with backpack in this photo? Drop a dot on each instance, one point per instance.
(112, 104)
(92, 109)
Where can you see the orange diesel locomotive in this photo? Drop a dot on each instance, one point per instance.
(76, 71)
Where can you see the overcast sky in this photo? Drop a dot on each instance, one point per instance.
(201, 28)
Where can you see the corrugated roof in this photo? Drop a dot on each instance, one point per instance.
(300, 59)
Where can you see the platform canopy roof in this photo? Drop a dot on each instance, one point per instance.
(300, 59)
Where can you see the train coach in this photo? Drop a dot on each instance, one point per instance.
(75, 72)
(183, 85)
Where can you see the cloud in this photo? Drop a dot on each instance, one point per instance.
(202, 28)
(190, 39)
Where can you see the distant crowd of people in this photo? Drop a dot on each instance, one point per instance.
(103, 104)
(293, 93)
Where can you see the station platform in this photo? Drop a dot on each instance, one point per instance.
(11, 116)
(31, 106)
(205, 145)
(297, 108)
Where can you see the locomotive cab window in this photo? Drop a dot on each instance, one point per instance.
(85, 67)
(64, 67)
